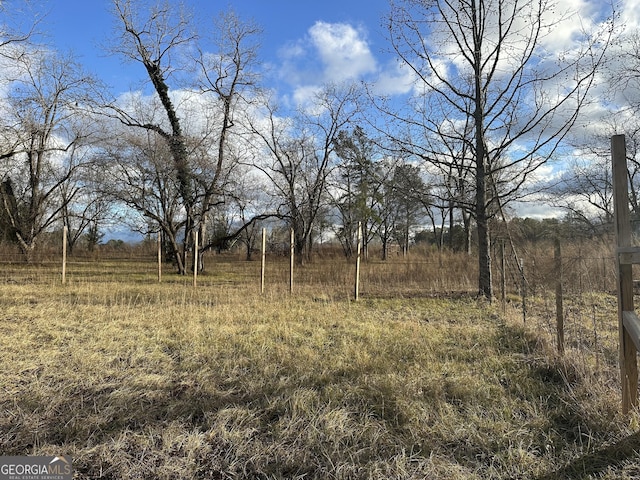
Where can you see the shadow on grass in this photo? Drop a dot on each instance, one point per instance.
(98, 413)
(560, 381)
(113, 424)
(562, 384)
(512, 339)
(126, 416)
(597, 462)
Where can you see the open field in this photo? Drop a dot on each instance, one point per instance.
(136, 379)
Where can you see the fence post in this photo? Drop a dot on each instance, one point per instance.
(65, 233)
(291, 260)
(358, 252)
(263, 260)
(524, 293)
(559, 306)
(159, 256)
(627, 350)
(195, 259)
(503, 278)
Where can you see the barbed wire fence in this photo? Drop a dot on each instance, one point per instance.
(568, 292)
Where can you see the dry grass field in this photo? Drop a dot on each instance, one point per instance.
(141, 380)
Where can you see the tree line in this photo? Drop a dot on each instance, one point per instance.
(204, 148)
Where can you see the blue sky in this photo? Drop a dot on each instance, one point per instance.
(306, 43)
(81, 26)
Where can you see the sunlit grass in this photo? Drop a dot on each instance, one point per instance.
(140, 379)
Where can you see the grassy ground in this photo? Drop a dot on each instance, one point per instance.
(139, 380)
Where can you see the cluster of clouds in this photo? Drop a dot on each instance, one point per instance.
(337, 53)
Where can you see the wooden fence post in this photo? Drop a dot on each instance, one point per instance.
(627, 350)
(195, 259)
(503, 278)
(65, 233)
(263, 260)
(559, 306)
(160, 256)
(291, 260)
(358, 253)
(524, 293)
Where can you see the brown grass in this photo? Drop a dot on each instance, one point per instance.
(136, 379)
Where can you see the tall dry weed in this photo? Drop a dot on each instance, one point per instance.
(136, 379)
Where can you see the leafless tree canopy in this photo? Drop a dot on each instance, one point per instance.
(200, 145)
(484, 80)
(44, 137)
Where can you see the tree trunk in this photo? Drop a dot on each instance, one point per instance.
(365, 247)
(484, 241)
(170, 238)
(484, 255)
(484, 259)
(434, 228)
(451, 220)
(466, 220)
(27, 248)
(298, 248)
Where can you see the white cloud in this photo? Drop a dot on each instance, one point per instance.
(343, 50)
(305, 96)
(329, 53)
(536, 209)
(292, 50)
(568, 22)
(396, 79)
(630, 13)
(546, 174)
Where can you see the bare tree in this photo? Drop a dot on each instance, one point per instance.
(585, 188)
(85, 208)
(411, 198)
(47, 134)
(448, 155)
(385, 210)
(356, 188)
(247, 201)
(198, 131)
(622, 76)
(14, 35)
(300, 155)
(15, 45)
(135, 170)
(486, 62)
(154, 35)
(229, 82)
